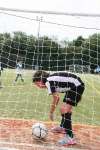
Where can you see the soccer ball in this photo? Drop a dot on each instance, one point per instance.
(39, 131)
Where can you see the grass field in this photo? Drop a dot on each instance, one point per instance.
(26, 101)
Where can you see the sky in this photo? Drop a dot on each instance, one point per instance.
(10, 23)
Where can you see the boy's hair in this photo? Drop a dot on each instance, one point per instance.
(40, 75)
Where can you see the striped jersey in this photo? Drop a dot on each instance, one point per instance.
(62, 82)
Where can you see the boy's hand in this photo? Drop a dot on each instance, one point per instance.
(51, 116)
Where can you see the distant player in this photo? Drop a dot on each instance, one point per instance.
(73, 87)
(1, 69)
(19, 71)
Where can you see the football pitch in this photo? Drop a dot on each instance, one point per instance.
(26, 101)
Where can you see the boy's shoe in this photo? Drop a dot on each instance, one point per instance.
(67, 141)
(58, 129)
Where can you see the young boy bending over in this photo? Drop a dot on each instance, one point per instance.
(73, 87)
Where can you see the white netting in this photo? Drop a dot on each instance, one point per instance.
(48, 44)
(52, 43)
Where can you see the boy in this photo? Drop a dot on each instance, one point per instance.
(1, 69)
(19, 69)
(73, 87)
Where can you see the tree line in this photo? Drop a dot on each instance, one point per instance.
(48, 54)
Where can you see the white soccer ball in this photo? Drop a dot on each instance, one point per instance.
(39, 131)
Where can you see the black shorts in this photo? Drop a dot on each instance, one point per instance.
(73, 96)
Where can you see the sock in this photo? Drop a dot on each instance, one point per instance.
(67, 123)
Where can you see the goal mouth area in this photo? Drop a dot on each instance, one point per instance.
(18, 134)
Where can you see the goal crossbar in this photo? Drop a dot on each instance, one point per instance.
(50, 12)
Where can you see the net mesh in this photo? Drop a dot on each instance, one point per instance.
(45, 43)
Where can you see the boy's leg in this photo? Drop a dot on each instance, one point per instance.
(66, 122)
(69, 101)
(21, 78)
(17, 77)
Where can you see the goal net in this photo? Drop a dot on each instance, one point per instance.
(50, 42)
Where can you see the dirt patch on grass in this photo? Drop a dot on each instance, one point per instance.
(18, 134)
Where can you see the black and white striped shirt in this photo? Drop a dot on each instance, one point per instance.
(62, 82)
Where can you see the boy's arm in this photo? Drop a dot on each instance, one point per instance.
(54, 103)
(40, 84)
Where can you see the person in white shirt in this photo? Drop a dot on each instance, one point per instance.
(19, 71)
(1, 69)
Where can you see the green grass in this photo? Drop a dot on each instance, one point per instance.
(26, 101)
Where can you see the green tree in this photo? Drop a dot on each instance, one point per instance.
(92, 50)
